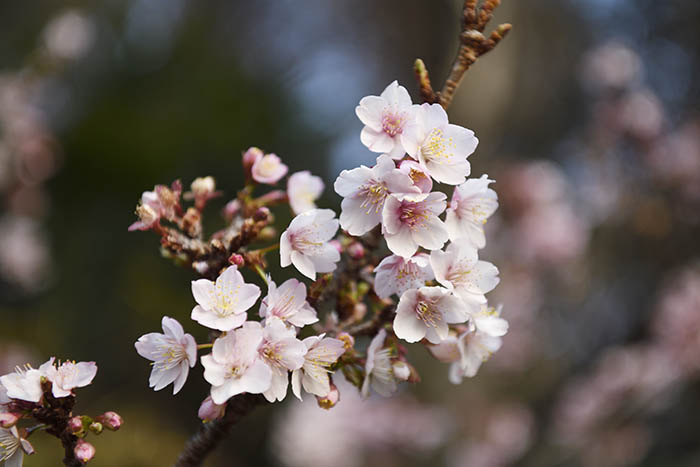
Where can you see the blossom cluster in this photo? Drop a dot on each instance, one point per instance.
(45, 395)
(432, 266)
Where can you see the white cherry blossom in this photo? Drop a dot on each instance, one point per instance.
(23, 384)
(268, 169)
(395, 274)
(426, 313)
(364, 191)
(379, 373)
(411, 220)
(459, 269)
(11, 451)
(282, 352)
(441, 147)
(223, 305)
(313, 375)
(305, 243)
(234, 365)
(303, 189)
(288, 303)
(385, 117)
(473, 202)
(466, 352)
(173, 353)
(488, 321)
(68, 375)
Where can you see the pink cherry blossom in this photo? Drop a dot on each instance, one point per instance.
(385, 117)
(234, 365)
(23, 384)
(379, 372)
(411, 220)
(305, 243)
(488, 321)
(162, 202)
(288, 303)
(302, 190)
(282, 352)
(426, 313)
(459, 269)
(466, 352)
(172, 353)
(440, 147)
(68, 375)
(418, 174)
(395, 274)
(473, 202)
(364, 191)
(268, 169)
(313, 375)
(223, 305)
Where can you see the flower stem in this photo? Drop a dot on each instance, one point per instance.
(205, 346)
(260, 272)
(268, 249)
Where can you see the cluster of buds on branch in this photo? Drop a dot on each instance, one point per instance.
(45, 399)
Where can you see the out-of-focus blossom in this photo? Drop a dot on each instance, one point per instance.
(24, 253)
(426, 313)
(305, 243)
(473, 202)
(418, 174)
(675, 160)
(303, 189)
(322, 352)
(385, 118)
(379, 373)
(365, 190)
(202, 189)
(23, 384)
(441, 147)
(250, 157)
(234, 366)
(612, 65)
(411, 220)
(162, 202)
(67, 376)
(533, 184)
(459, 269)
(173, 353)
(642, 115)
(282, 352)
(209, 410)
(287, 303)
(223, 305)
(69, 35)
(395, 274)
(11, 450)
(268, 169)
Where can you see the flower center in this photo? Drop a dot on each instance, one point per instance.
(227, 299)
(412, 214)
(427, 313)
(392, 124)
(271, 354)
(171, 354)
(374, 194)
(437, 147)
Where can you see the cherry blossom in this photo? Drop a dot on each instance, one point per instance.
(24, 384)
(268, 169)
(364, 191)
(488, 321)
(313, 375)
(426, 313)
(305, 243)
(162, 202)
(411, 220)
(11, 447)
(234, 366)
(459, 269)
(302, 190)
(173, 354)
(282, 352)
(222, 305)
(466, 352)
(395, 274)
(418, 174)
(473, 202)
(385, 117)
(287, 303)
(379, 372)
(441, 147)
(68, 375)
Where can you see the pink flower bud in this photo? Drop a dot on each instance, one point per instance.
(111, 420)
(9, 419)
(250, 157)
(356, 250)
(84, 451)
(269, 169)
(232, 208)
(209, 411)
(203, 187)
(329, 400)
(262, 214)
(75, 425)
(237, 260)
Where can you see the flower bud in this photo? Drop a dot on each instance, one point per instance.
(75, 425)
(236, 260)
(356, 250)
(203, 187)
(232, 208)
(111, 420)
(209, 410)
(348, 340)
(261, 214)
(9, 419)
(329, 400)
(401, 370)
(84, 451)
(268, 169)
(250, 157)
(96, 427)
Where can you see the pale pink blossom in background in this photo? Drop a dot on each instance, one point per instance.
(611, 65)
(322, 352)
(385, 117)
(70, 34)
(24, 252)
(642, 114)
(459, 269)
(234, 365)
(411, 221)
(365, 190)
(68, 375)
(419, 175)
(395, 274)
(379, 374)
(303, 189)
(282, 352)
(223, 305)
(287, 303)
(473, 202)
(173, 353)
(426, 313)
(441, 147)
(305, 243)
(268, 169)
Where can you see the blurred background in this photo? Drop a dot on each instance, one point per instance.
(588, 120)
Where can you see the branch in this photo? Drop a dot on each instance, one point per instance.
(473, 44)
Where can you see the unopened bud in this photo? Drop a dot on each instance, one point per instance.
(232, 208)
(347, 339)
(84, 451)
(236, 260)
(401, 370)
(9, 419)
(250, 157)
(111, 420)
(95, 427)
(356, 250)
(261, 214)
(209, 410)
(329, 400)
(75, 425)
(203, 187)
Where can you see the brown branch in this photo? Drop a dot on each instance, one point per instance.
(473, 44)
